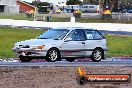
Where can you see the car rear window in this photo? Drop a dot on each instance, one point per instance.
(93, 35)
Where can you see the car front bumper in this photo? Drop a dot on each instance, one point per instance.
(30, 52)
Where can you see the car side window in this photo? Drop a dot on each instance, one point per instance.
(94, 35)
(89, 34)
(98, 35)
(77, 35)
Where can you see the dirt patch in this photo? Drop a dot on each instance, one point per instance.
(56, 77)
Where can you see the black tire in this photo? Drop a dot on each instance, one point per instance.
(53, 55)
(97, 55)
(25, 59)
(70, 59)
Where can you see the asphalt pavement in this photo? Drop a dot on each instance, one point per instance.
(127, 61)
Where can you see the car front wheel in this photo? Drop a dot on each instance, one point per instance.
(25, 59)
(53, 55)
(97, 55)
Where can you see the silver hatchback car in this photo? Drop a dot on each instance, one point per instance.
(63, 43)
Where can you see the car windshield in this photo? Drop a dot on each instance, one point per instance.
(56, 34)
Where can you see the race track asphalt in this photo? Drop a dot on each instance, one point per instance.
(79, 62)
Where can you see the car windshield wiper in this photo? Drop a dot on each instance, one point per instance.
(56, 39)
(48, 38)
(42, 38)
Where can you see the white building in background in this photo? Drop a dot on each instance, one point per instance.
(57, 2)
(61, 4)
(9, 6)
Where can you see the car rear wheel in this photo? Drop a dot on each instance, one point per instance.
(70, 59)
(52, 55)
(25, 59)
(97, 55)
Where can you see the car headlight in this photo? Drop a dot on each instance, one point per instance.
(41, 47)
(38, 47)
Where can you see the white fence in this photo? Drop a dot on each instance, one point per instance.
(100, 26)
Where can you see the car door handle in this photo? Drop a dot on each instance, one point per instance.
(82, 42)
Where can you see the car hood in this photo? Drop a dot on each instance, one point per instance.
(37, 42)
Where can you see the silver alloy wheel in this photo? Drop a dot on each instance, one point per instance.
(97, 55)
(53, 55)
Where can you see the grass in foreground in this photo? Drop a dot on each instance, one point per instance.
(9, 36)
(118, 45)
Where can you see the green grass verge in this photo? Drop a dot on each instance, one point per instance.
(118, 45)
(9, 36)
(83, 20)
(88, 20)
(20, 16)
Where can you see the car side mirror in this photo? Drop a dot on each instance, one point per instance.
(68, 39)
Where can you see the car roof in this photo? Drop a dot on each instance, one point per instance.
(73, 28)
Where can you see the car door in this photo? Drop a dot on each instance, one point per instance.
(76, 45)
(94, 39)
